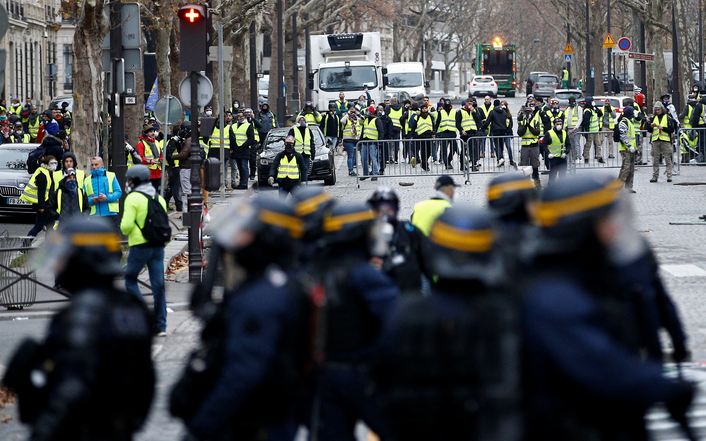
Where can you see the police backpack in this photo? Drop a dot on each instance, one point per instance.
(616, 130)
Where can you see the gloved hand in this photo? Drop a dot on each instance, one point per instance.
(271, 180)
(551, 156)
(678, 406)
(129, 148)
(632, 149)
(176, 139)
(563, 156)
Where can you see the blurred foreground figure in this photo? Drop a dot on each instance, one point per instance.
(585, 377)
(451, 362)
(247, 379)
(92, 378)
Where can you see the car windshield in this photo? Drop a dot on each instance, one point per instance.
(275, 139)
(404, 79)
(333, 79)
(13, 159)
(566, 95)
(547, 79)
(483, 80)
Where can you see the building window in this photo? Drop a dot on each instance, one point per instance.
(68, 67)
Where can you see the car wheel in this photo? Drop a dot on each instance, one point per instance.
(331, 180)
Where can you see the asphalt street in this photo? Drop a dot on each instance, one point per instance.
(679, 248)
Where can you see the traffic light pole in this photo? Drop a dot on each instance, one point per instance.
(195, 200)
(117, 123)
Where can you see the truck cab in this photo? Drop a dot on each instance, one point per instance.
(348, 63)
(406, 77)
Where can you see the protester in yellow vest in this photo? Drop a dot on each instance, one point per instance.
(628, 147)
(287, 168)
(661, 126)
(557, 143)
(303, 144)
(427, 212)
(103, 192)
(68, 200)
(242, 142)
(68, 161)
(37, 192)
(151, 154)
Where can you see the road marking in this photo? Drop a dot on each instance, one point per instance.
(684, 270)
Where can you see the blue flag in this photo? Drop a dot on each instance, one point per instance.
(154, 96)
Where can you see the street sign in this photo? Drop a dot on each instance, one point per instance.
(624, 44)
(227, 53)
(175, 110)
(608, 42)
(204, 90)
(130, 22)
(568, 49)
(568, 58)
(132, 57)
(639, 56)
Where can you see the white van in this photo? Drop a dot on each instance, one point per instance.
(406, 77)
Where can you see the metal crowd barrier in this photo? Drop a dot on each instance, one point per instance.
(395, 158)
(690, 146)
(17, 290)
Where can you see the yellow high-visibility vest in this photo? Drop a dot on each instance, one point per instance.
(370, 129)
(288, 168)
(427, 212)
(149, 155)
(215, 139)
(30, 192)
(448, 121)
(660, 135)
(302, 144)
(113, 207)
(468, 123)
(395, 116)
(557, 144)
(80, 176)
(424, 125)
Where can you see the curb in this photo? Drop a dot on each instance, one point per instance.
(29, 315)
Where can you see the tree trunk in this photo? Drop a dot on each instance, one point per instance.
(88, 80)
(164, 70)
(176, 75)
(239, 80)
(428, 72)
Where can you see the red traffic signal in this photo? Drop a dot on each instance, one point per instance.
(192, 14)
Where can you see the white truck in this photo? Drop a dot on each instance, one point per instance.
(348, 63)
(406, 77)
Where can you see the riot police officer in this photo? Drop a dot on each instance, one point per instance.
(310, 205)
(585, 378)
(247, 379)
(92, 377)
(402, 263)
(450, 368)
(510, 198)
(359, 301)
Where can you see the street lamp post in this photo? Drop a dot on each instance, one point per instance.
(676, 83)
(590, 89)
(701, 46)
(610, 51)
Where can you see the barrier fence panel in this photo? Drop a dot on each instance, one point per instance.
(691, 144)
(16, 289)
(408, 158)
(493, 154)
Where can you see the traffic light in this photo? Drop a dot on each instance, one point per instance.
(193, 30)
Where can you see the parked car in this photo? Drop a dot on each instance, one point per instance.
(531, 79)
(545, 86)
(482, 85)
(61, 99)
(323, 167)
(14, 178)
(563, 96)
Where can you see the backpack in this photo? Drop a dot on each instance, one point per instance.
(33, 159)
(616, 130)
(156, 230)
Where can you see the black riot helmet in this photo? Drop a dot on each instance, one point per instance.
(258, 232)
(509, 195)
(355, 227)
(185, 130)
(84, 252)
(384, 195)
(460, 246)
(310, 205)
(566, 214)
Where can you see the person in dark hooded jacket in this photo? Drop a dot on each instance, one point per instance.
(497, 122)
(51, 143)
(69, 198)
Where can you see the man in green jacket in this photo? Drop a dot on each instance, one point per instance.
(142, 253)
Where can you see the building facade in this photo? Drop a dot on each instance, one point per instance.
(39, 48)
